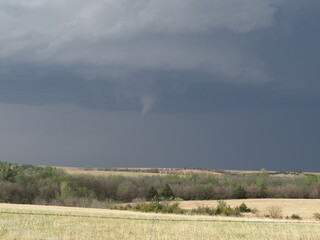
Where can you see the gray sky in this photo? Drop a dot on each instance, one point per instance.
(172, 83)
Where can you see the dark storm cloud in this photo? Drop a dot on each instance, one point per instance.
(140, 34)
(122, 54)
(184, 83)
(71, 136)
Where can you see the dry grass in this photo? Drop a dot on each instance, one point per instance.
(95, 172)
(144, 226)
(304, 207)
(142, 172)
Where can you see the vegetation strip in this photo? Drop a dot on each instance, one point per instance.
(155, 219)
(27, 184)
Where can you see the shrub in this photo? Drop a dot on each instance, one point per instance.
(156, 206)
(243, 208)
(226, 210)
(221, 209)
(316, 216)
(222, 205)
(274, 212)
(173, 208)
(166, 207)
(296, 217)
(204, 211)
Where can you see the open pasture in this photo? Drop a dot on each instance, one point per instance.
(129, 172)
(305, 208)
(100, 172)
(53, 223)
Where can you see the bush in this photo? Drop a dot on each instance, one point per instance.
(226, 210)
(243, 208)
(274, 212)
(316, 216)
(173, 208)
(166, 207)
(296, 217)
(155, 206)
(204, 211)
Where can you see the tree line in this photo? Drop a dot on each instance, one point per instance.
(52, 186)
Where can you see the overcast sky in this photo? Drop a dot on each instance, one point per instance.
(230, 84)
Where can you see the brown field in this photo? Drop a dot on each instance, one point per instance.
(304, 207)
(62, 223)
(96, 172)
(133, 171)
(180, 171)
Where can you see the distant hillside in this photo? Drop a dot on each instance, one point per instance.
(177, 171)
(91, 187)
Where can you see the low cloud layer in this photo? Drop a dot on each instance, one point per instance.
(168, 83)
(150, 53)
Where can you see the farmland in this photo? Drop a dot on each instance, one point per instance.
(99, 188)
(190, 189)
(50, 222)
(166, 171)
(305, 208)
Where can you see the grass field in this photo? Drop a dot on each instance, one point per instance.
(305, 208)
(97, 172)
(132, 172)
(51, 223)
(143, 172)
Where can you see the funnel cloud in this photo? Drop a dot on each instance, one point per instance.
(171, 83)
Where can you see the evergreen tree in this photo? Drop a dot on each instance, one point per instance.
(151, 194)
(167, 192)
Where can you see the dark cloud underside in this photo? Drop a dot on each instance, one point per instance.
(171, 83)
